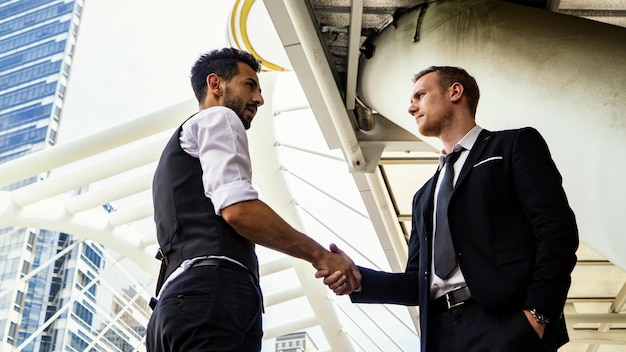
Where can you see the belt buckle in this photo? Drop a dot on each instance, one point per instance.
(450, 305)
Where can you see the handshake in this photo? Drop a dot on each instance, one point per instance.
(339, 272)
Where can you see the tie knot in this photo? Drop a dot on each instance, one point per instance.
(452, 157)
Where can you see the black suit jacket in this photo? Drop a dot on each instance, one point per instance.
(514, 234)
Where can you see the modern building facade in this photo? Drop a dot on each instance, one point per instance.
(57, 291)
(37, 39)
(295, 342)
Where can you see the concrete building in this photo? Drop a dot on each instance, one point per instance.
(295, 342)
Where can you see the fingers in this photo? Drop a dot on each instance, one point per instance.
(353, 280)
(322, 273)
(336, 280)
(357, 278)
(339, 272)
(335, 249)
(342, 290)
(338, 283)
(354, 275)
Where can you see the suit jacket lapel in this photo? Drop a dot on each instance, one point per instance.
(477, 150)
(427, 213)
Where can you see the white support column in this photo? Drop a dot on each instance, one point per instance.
(267, 173)
(323, 307)
(108, 193)
(299, 37)
(66, 153)
(102, 168)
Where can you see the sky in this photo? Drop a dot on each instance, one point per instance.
(133, 58)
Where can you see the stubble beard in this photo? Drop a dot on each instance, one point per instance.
(435, 125)
(236, 104)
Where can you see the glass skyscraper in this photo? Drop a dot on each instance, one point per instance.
(58, 292)
(37, 39)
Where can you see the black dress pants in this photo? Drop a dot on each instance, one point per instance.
(207, 308)
(470, 329)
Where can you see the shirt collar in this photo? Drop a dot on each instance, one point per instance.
(467, 142)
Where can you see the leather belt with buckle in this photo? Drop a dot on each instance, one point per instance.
(216, 262)
(455, 298)
(223, 263)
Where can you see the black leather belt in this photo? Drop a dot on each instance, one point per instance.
(455, 298)
(222, 263)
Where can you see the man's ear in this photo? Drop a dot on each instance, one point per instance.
(213, 83)
(456, 92)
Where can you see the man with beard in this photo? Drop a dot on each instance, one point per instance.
(493, 239)
(208, 218)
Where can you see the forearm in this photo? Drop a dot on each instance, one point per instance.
(387, 288)
(257, 222)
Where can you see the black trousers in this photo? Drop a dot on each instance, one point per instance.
(470, 329)
(207, 308)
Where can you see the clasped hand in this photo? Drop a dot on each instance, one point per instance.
(340, 275)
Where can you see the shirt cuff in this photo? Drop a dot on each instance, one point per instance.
(231, 193)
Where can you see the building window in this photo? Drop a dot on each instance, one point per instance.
(52, 136)
(85, 279)
(77, 343)
(94, 257)
(12, 332)
(25, 267)
(83, 313)
(31, 241)
(19, 297)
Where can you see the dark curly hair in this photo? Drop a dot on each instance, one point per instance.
(222, 62)
(448, 75)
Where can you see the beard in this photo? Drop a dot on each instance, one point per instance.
(434, 125)
(429, 128)
(237, 104)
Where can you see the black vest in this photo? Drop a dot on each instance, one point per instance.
(186, 223)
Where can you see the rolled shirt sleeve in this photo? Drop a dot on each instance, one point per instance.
(218, 138)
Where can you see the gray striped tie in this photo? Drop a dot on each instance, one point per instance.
(445, 258)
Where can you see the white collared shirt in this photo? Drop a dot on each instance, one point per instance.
(218, 138)
(438, 287)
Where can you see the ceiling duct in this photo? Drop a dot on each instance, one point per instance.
(364, 116)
